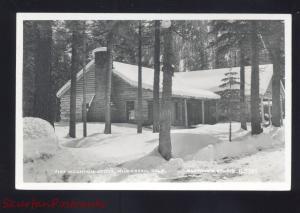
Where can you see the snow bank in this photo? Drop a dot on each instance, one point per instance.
(44, 160)
(62, 166)
(39, 139)
(131, 157)
(37, 128)
(149, 161)
(249, 145)
(277, 133)
(185, 145)
(202, 148)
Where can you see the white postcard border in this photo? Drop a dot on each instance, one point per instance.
(274, 186)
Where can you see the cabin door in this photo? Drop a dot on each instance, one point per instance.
(194, 112)
(130, 114)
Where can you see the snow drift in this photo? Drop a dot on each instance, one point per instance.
(204, 147)
(43, 158)
(236, 148)
(39, 139)
(185, 145)
(37, 128)
(191, 147)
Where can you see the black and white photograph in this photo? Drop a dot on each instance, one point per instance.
(153, 101)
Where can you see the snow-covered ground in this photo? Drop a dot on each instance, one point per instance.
(200, 154)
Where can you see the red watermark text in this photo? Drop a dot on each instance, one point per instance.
(9, 203)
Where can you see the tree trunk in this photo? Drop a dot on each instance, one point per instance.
(156, 77)
(255, 100)
(84, 118)
(165, 147)
(276, 105)
(43, 84)
(273, 43)
(107, 129)
(140, 89)
(242, 88)
(75, 66)
(29, 53)
(277, 68)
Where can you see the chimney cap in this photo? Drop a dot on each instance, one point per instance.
(100, 49)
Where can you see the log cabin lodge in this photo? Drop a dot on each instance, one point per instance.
(195, 94)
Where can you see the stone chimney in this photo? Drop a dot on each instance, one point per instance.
(101, 61)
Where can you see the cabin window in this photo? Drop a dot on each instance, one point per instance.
(130, 112)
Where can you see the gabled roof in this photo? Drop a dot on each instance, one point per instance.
(89, 67)
(201, 84)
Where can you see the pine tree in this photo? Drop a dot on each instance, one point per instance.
(229, 82)
(29, 44)
(255, 100)
(234, 34)
(43, 102)
(165, 147)
(156, 107)
(107, 128)
(84, 112)
(114, 31)
(75, 66)
(140, 89)
(243, 113)
(274, 43)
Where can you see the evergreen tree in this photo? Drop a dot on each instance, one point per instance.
(234, 34)
(156, 106)
(114, 32)
(75, 66)
(191, 45)
(229, 82)
(255, 100)
(84, 112)
(165, 147)
(140, 89)
(110, 38)
(43, 98)
(243, 114)
(29, 43)
(274, 43)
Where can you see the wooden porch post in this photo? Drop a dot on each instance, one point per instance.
(186, 124)
(217, 111)
(203, 114)
(262, 110)
(270, 114)
(281, 110)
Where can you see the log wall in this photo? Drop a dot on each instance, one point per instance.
(65, 99)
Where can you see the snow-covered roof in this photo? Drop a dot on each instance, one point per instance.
(129, 73)
(212, 79)
(99, 49)
(200, 84)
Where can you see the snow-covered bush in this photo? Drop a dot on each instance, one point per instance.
(43, 158)
(37, 128)
(39, 139)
